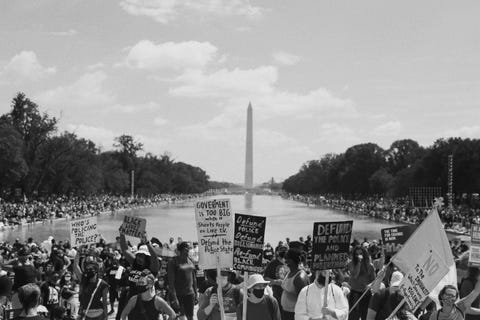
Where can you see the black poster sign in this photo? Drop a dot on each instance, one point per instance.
(248, 243)
(394, 238)
(331, 243)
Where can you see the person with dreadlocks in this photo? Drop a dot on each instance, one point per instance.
(362, 273)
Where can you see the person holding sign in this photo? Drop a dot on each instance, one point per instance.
(209, 309)
(310, 302)
(146, 305)
(293, 283)
(452, 310)
(362, 273)
(144, 258)
(260, 306)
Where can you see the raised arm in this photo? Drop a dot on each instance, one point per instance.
(126, 253)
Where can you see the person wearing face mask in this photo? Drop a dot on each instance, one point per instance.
(276, 271)
(209, 308)
(260, 306)
(182, 281)
(453, 309)
(93, 294)
(146, 305)
(362, 273)
(310, 302)
(293, 283)
(69, 296)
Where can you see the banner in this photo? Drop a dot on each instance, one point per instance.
(84, 232)
(214, 222)
(425, 276)
(331, 242)
(394, 238)
(248, 243)
(474, 258)
(133, 226)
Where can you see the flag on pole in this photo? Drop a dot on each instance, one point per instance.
(429, 235)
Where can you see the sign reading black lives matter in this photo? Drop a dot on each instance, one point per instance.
(248, 243)
(331, 242)
(215, 233)
(394, 238)
(133, 226)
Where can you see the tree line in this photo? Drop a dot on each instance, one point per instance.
(367, 170)
(36, 159)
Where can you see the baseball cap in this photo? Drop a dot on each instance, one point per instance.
(143, 250)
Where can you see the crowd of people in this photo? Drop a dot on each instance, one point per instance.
(153, 280)
(458, 219)
(41, 209)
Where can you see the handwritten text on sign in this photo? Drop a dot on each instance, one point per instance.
(84, 231)
(331, 242)
(248, 243)
(133, 226)
(394, 238)
(416, 285)
(474, 255)
(215, 233)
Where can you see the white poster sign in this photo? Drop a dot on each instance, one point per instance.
(84, 231)
(214, 220)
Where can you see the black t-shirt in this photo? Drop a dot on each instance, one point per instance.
(24, 274)
(381, 303)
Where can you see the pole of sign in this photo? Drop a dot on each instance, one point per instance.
(396, 309)
(244, 307)
(325, 298)
(219, 290)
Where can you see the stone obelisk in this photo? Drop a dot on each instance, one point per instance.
(249, 150)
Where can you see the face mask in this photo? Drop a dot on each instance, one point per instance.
(282, 254)
(142, 289)
(68, 278)
(321, 279)
(90, 274)
(258, 292)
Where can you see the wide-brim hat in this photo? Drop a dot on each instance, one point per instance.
(143, 250)
(255, 279)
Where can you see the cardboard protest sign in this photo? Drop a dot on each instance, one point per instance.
(133, 226)
(394, 238)
(214, 221)
(331, 242)
(417, 284)
(84, 231)
(248, 243)
(474, 258)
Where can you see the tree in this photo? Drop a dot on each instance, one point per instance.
(34, 129)
(403, 154)
(12, 163)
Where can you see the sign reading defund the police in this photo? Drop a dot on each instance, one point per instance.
(133, 226)
(84, 231)
(394, 238)
(248, 243)
(331, 242)
(474, 255)
(214, 221)
(425, 276)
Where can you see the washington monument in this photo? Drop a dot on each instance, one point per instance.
(249, 150)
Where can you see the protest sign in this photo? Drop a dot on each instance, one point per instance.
(133, 226)
(214, 222)
(331, 242)
(394, 238)
(248, 243)
(474, 258)
(418, 283)
(84, 231)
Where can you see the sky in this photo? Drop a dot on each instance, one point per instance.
(178, 75)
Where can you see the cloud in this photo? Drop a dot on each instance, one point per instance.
(131, 108)
(68, 33)
(285, 58)
(87, 92)
(159, 121)
(391, 128)
(100, 136)
(25, 66)
(464, 132)
(170, 55)
(164, 11)
(238, 86)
